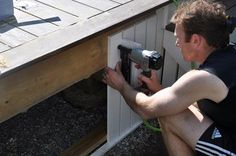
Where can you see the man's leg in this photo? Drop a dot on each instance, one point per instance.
(182, 131)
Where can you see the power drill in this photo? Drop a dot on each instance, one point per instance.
(146, 59)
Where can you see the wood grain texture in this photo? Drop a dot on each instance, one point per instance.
(102, 5)
(46, 13)
(35, 83)
(72, 7)
(32, 24)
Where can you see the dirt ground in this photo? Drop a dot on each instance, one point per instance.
(53, 125)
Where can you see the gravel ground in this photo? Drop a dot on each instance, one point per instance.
(53, 125)
(142, 141)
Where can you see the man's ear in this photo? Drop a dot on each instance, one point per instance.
(196, 40)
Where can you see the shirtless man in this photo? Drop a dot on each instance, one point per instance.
(197, 114)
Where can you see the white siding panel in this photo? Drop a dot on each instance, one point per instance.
(151, 33)
(130, 115)
(140, 33)
(169, 71)
(161, 22)
(169, 45)
(113, 97)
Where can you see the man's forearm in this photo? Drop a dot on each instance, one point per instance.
(136, 100)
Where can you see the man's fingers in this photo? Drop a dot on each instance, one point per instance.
(118, 68)
(144, 78)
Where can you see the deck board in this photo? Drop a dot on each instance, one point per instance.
(32, 24)
(122, 1)
(3, 47)
(13, 36)
(72, 7)
(102, 5)
(76, 32)
(46, 12)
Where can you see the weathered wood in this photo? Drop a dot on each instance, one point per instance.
(89, 143)
(35, 83)
(13, 36)
(32, 24)
(102, 5)
(72, 7)
(122, 1)
(45, 12)
(75, 33)
(3, 47)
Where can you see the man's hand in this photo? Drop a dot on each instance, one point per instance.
(152, 83)
(114, 78)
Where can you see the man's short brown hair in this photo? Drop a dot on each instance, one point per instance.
(206, 18)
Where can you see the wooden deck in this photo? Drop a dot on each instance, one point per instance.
(49, 45)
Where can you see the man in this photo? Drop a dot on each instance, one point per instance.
(197, 113)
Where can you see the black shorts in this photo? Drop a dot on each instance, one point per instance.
(216, 141)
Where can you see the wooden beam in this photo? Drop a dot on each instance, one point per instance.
(38, 80)
(89, 143)
(31, 85)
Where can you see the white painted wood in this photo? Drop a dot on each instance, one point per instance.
(99, 4)
(140, 37)
(113, 101)
(140, 33)
(119, 113)
(72, 7)
(125, 116)
(32, 24)
(169, 45)
(131, 34)
(122, 1)
(161, 23)
(13, 36)
(49, 14)
(108, 145)
(3, 47)
(151, 33)
(169, 71)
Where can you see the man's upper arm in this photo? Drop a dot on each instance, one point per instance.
(191, 87)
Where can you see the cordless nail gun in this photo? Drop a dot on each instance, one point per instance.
(147, 60)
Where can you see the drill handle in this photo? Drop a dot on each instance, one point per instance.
(144, 87)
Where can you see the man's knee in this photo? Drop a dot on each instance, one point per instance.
(172, 121)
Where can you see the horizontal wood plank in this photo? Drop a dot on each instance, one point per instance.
(35, 83)
(3, 47)
(32, 24)
(75, 33)
(72, 7)
(13, 36)
(45, 12)
(89, 143)
(122, 1)
(99, 4)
